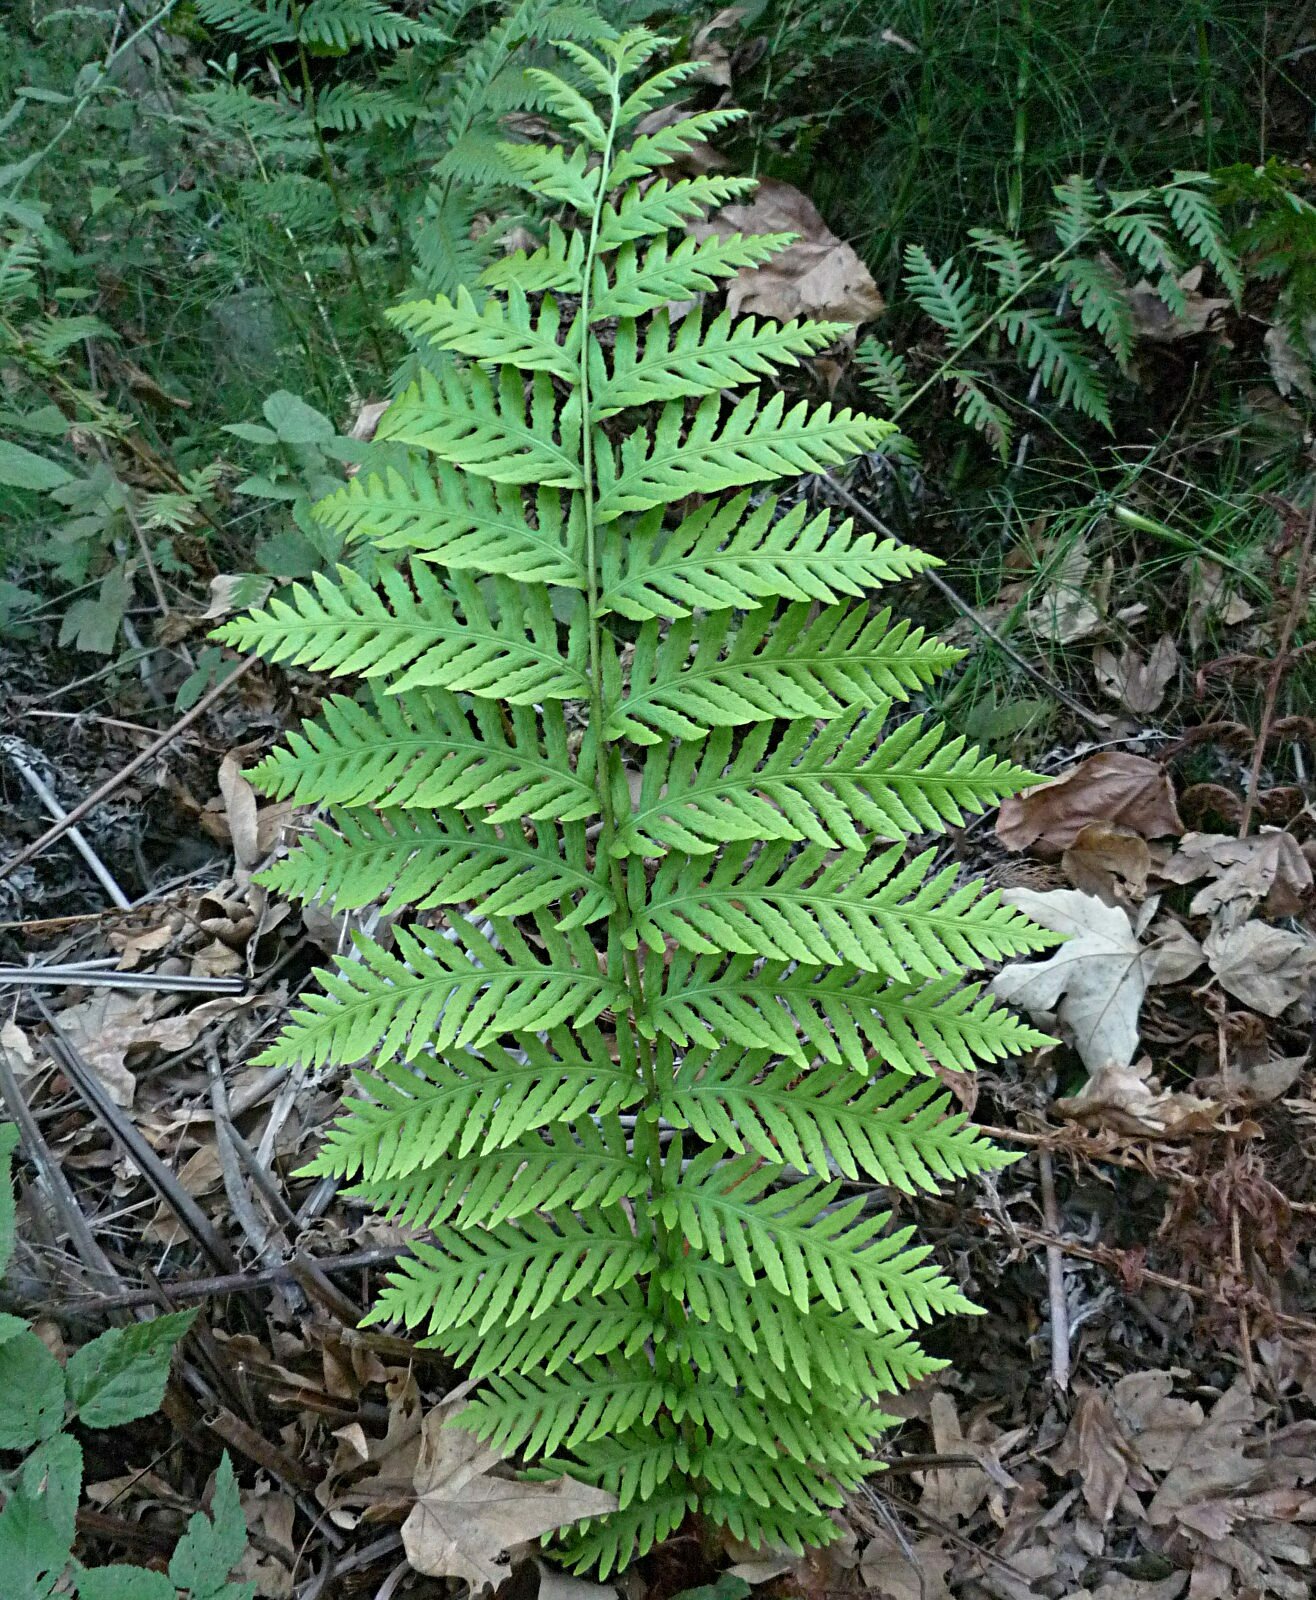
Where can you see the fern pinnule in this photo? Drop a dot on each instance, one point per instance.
(633, 739)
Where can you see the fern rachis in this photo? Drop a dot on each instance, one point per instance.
(687, 979)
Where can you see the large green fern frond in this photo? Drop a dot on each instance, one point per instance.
(661, 974)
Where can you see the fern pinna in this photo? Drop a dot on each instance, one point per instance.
(631, 731)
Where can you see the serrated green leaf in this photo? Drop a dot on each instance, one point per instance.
(32, 1382)
(8, 1144)
(212, 1546)
(124, 1583)
(295, 422)
(24, 469)
(120, 1375)
(33, 1550)
(52, 1478)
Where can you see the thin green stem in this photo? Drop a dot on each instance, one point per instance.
(340, 205)
(1047, 268)
(610, 778)
(1205, 88)
(1021, 88)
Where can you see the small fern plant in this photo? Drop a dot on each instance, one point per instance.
(1061, 319)
(665, 994)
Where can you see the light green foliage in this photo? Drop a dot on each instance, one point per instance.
(634, 721)
(114, 1379)
(1044, 308)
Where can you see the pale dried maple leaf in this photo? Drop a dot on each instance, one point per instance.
(1266, 968)
(465, 1519)
(1093, 984)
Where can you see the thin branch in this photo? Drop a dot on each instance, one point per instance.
(1054, 691)
(111, 785)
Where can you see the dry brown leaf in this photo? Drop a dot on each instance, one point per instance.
(763, 1569)
(1093, 984)
(1291, 366)
(240, 808)
(951, 1494)
(1113, 787)
(1260, 1084)
(1109, 861)
(1210, 598)
(1156, 323)
(891, 1574)
(818, 276)
(372, 1472)
(1122, 1588)
(1266, 968)
(17, 1049)
(367, 418)
(466, 1520)
(1266, 870)
(1129, 1100)
(199, 1175)
(235, 591)
(269, 1566)
(1170, 954)
(1096, 1448)
(1210, 1469)
(1138, 685)
(133, 946)
(137, 1483)
(1067, 613)
(709, 54)
(105, 1028)
(555, 1585)
(1156, 1423)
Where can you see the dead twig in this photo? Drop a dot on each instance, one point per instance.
(261, 1236)
(186, 1291)
(130, 1140)
(1283, 660)
(1053, 690)
(52, 1179)
(112, 784)
(1055, 1276)
(1124, 1267)
(62, 977)
(21, 758)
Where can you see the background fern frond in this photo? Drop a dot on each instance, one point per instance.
(1051, 351)
(942, 293)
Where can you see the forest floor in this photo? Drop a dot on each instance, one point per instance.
(1132, 1417)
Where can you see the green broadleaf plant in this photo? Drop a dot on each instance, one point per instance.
(633, 743)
